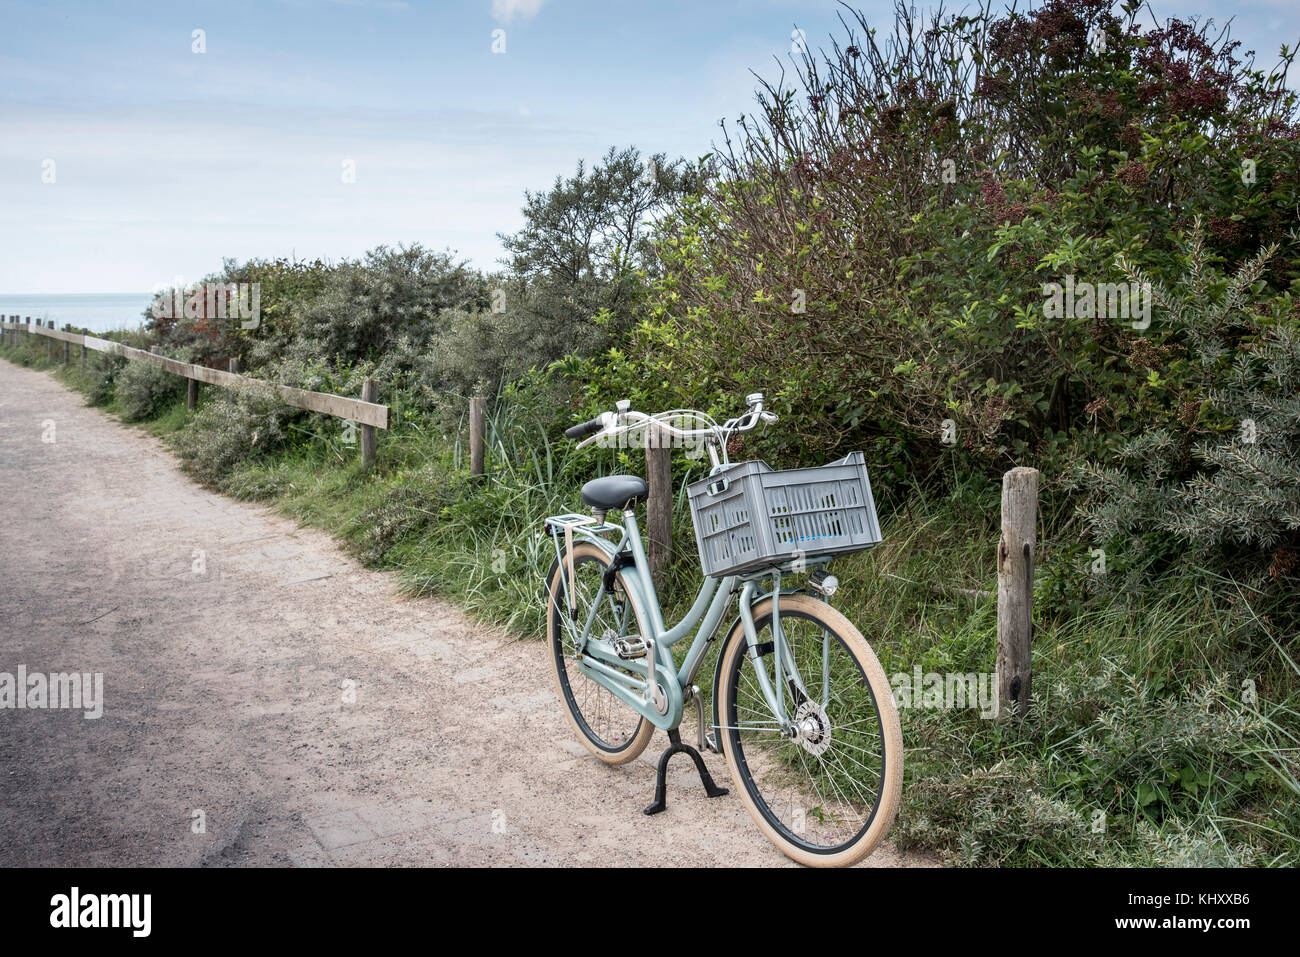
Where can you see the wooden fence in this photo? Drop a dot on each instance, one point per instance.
(364, 411)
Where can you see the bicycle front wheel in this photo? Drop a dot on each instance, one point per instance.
(827, 796)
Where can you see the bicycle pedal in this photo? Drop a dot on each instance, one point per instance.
(629, 648)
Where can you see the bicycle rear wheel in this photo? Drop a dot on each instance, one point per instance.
(605, 724)
(828, 796)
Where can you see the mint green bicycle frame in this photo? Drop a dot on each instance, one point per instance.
(598, 660)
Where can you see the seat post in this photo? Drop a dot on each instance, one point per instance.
(632, 532)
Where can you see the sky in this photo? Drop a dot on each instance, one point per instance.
(134, 150)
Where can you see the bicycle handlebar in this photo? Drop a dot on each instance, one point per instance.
(608, 423)
(586, 428)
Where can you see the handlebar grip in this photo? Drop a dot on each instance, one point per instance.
(585, 429)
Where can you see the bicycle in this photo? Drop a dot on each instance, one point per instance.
(802, 711)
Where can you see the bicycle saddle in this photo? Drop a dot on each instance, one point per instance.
(615, 491)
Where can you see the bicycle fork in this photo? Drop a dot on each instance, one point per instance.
(785, 671)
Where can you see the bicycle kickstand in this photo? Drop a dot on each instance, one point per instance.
(661, 780)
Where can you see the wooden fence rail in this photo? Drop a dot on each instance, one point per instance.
(368, 414)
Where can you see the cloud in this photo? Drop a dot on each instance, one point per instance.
(505, 11)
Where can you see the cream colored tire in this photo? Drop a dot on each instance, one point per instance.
(888, 792)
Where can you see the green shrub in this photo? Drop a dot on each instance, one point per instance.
(102, 372)
(366, 307)
(1215, 469)
(237, 426)
(144, 389)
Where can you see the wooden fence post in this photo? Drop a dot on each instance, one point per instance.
(83, 358)
(477, 428)
(234, 366)
(192, 394)
(369, 393)
(1016, 587)
(659, 503)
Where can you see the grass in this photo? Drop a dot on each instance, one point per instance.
(1164, 729)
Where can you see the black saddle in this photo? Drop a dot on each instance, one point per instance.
(615, 491)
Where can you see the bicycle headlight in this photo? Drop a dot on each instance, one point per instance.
(823, 582)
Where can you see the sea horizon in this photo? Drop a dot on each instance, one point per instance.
(98, 312)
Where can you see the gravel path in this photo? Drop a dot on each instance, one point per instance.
(227, 637)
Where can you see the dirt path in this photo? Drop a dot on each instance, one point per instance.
(225, 636)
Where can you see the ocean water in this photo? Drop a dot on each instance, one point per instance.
(94, 311)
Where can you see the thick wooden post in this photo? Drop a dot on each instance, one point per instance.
(234, 366)
(659, 503)
(369, 393)
(1016, 587)
(192, 394)
(83, 360)
(477, 428)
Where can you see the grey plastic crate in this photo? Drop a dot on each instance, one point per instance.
(749, 516)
